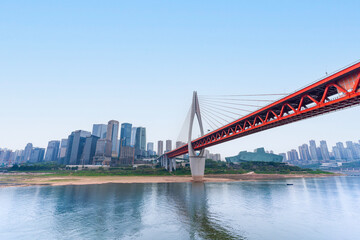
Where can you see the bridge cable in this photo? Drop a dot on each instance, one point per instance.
(225, 110)
(209, 125)
(226, 121)
(212, 110)
(245, 110)
(239, 104)
(213, 117)
(213, 125)
(247, 95)
(234, 99)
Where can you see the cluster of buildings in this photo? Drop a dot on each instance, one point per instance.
(313, 154)
(109, 144)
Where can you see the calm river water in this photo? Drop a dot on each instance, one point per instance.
(316, 208)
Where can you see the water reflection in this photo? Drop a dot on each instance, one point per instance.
(190, 203)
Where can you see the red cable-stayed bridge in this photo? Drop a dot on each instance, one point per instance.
(334, 92)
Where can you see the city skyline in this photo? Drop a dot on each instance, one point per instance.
(79, 72)
(95, 148)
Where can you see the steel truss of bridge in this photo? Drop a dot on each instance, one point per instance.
(337, 91)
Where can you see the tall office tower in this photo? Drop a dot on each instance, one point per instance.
(179, 144)
(125, 134)
(304, 152)
(102, 152)
(99, 130)
(351, 147)
(5, 156)
(168, 145)
(140, 142)
(133, 136)
(284, 156)
(313, 152)
(318, 153)
(150, 146)
(206, 154)
(62, 151)
(349, 154)
(52, 151)
(160, 146)
(341, 149)
(150, 149)
(357, 149)
(89, 150)
(112, 135)
(37, 155)
(217, 157)
(293, 155)
(12, 158)
(324, 151)
(336, 152)
(127, 154)
(27, 152)
(19, 155)
(75, 146)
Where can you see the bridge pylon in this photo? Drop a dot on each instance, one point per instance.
(197, 161)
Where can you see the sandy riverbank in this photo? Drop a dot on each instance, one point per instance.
(31, 180)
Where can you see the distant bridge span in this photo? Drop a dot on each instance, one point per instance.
(336, 91)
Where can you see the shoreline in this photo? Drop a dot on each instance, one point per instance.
(38, 180)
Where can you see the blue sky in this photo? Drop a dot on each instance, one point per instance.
(68, 64)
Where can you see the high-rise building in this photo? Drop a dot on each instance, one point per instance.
(357, 149)
(133, 136)
(127, 154)
(313, 153)
(125, 134)
(179, 144)
(140, 142)
(62, 151)
(217, 157)
(52, 151)
(168, 145)
(324, 150)
(37, 155)
(112, 135)
(150, 146)
(5, 156)
(27, 152)
(351, 147)
(342, 151)
(160, 146)
(304, 152)
(19, 156)
(150, 149)
(293, 155)
(336, 152)
(102, 152)
(75, 146)
(319, 154)
(349, 154)
(99, 130)
(89, 150)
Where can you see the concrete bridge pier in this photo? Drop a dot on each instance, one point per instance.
(197, 166)
(197, 161)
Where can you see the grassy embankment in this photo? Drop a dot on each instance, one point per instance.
(212, 167)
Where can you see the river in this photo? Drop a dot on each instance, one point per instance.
(311, 208)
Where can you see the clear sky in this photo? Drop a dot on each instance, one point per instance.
(65, 65)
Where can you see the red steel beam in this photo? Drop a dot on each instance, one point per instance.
(337, 91)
